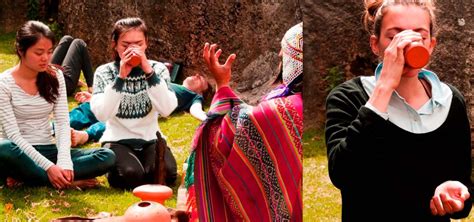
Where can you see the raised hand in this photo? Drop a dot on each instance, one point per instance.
(449, 198)
(393, 67)
(394, 58)
(220, 72)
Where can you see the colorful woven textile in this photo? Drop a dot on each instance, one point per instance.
(248, 164)
(292, 50)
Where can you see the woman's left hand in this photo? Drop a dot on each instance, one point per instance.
(449, 198)
(68, 174)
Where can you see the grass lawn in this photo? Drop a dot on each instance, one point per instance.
(321, 199)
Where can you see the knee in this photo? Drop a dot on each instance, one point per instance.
(107, 156)
(8, 150)
(79, 43)
(131, 174)
(66, 38)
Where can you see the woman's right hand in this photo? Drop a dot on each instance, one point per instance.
(220, 72)
(125, 67)
(393, 69)
(394, 58)
(57, 178)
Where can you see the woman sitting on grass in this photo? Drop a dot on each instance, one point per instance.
(31, 93)
(129, 97)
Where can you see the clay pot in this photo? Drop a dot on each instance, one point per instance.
(153, 192)
(147, 211)
(416, 55)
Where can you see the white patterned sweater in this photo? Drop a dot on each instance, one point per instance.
(25, 121)
(130, 107)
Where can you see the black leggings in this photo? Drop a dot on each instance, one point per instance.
(134, 168)
(73, 56)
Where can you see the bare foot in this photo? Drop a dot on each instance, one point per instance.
(83, 96)
(11, 183)
(85, 184)
(78, 137)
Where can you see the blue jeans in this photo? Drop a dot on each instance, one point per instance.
(88, 163)
(81, 117)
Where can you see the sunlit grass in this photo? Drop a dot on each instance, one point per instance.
(321, 199)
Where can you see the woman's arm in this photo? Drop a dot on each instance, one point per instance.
(351, 128)
(162, 97)
(196, 111)
(456, 191)
(106, 98)
(62, 129)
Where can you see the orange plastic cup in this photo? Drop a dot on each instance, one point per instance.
(134, 60)
(416, 55)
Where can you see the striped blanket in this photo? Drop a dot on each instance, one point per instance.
(248, 163)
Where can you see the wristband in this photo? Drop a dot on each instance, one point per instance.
(148, 75)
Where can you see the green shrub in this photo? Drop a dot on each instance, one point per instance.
(56, 28)
(334, 77)
(33, 10)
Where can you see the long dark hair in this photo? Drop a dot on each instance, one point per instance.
(125, 25)
(28, 35)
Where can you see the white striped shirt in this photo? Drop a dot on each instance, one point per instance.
(25, 121)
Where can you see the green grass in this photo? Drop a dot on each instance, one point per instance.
(8, 57)
(320, 198)
(46, 203)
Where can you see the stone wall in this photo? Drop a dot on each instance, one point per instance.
(179, 29)
(12, 14)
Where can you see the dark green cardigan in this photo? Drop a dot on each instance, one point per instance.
(386, 173)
